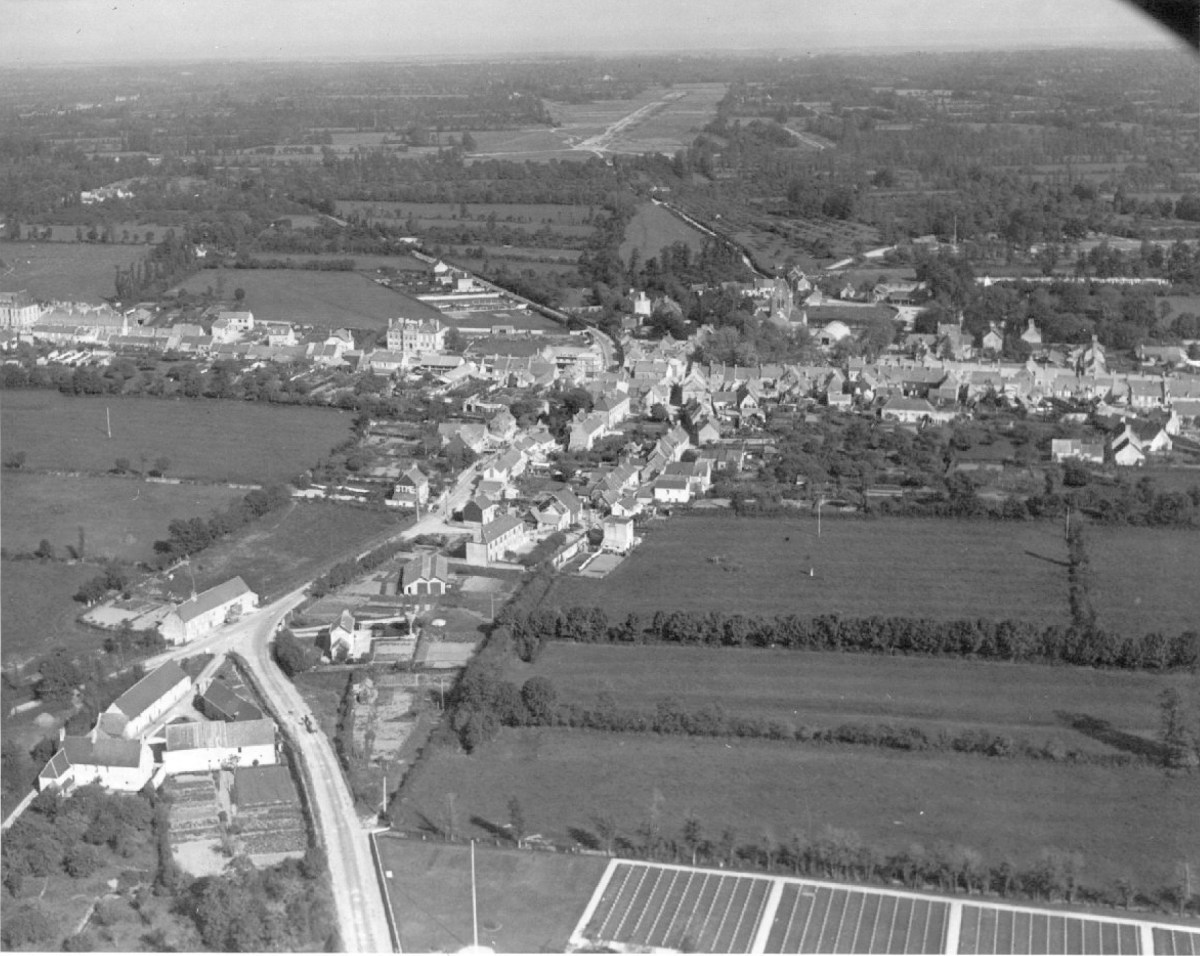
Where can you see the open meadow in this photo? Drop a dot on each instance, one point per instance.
(207, 440)
(37, 612)
(1127, 822)
(915, 567)
(325, 300)
(1144, 579)
(652, 228)
(527, 902)
(1031, 701)
(64, 271)
(118, 517)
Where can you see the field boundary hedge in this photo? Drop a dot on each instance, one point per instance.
(1006, 640)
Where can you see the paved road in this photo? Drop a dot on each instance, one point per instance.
(356, 893)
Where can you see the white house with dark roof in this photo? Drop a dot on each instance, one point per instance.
(116, 764)
(412, 487)
(199, 746)
(131, 714)
(207, 611)
(495, 538)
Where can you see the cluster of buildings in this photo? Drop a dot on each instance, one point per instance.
(133, 745)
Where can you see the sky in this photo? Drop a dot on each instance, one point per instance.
(111, 31)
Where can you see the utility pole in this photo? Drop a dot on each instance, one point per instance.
(474, 903)
(108, 421)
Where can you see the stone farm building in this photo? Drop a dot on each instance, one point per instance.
(203, 745)
(425, 574)
(114, 763)
(132, 714)
(204, 612)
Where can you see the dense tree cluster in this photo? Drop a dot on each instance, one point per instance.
(187, 536)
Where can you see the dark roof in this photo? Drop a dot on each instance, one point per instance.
(501, 526)
(212, 598)
(229, 705)
(425, 567)
(262, 786)
(149, 689)
(102, 752)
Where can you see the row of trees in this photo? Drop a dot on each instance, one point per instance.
(1007, 640)
(187, 536)
(346, 571)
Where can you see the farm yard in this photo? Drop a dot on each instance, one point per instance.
(204, 440)
(1033, 701)
(652, 228)
(73, 271)
(324, 300)
(565, 779)
(916, 567)
(118, 518)
(528, 902)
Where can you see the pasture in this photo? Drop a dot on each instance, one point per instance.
(38, 613)
(652, 228)
(1030, 701)
(118, 517)
(930, 568)
(282, 550)
(1143, 579)
(207, 440)
(1127, 822)
(64, 271)
(913, 567)
(527, 902)
(323, 300)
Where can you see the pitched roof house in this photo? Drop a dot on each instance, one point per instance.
(131, 714)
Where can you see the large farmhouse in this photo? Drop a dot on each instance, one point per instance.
(203, 745)
(117, 764)
(206, 611)
(496, 538)
(132, 714)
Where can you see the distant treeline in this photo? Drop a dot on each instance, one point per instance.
(1007, 640)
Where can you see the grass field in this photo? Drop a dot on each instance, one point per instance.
(1144, 579)
(527, 902)
(1125, 821)
(913, 567)
(121, 518)
(36, 609)
(652, 228)
(209, 440)
(917, 567)
(284, 549)
(69, 271)
(324, 300)
(1024, 700)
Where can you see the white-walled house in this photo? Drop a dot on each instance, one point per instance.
(116, 764)
(496, 537)
(131, 714)
(203, 745)
(204, 612)
(618, 534)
